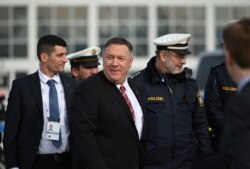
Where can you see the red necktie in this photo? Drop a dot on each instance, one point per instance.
(123, 91)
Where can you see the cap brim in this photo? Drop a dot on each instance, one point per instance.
(89, 64)
(183, 52)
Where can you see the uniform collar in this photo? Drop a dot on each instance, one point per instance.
(158, 77)
(154, 74)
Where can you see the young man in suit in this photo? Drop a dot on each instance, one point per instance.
(236, 138)
(33, 106)
(234, 143)
(108, 125)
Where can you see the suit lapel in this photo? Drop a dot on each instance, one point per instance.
(36, 89)
(116, 94)
(136, 92)
(66, 87)
(140, 100)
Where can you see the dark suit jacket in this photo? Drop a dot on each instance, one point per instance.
(102, 127)
(236, 134)
(24, 120)
(234, 144)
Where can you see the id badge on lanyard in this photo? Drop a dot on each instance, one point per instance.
(53, 130)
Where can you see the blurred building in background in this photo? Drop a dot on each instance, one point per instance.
(84, 23)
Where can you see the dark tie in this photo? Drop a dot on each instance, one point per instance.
(54, 109)
(123, 91)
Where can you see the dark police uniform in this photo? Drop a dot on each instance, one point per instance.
(219, 89)
(177, 123)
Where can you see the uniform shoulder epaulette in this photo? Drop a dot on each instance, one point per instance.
(135, 75)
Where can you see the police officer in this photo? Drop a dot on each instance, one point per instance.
(177, 124)
(219, 89)
(84, 63)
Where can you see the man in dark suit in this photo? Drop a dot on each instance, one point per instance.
(108, 125)
(236, 138)
(234, 144)
(28, 143)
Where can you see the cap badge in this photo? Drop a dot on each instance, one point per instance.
(93, 52)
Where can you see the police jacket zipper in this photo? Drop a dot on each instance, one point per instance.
(170, 90)
(173, 126)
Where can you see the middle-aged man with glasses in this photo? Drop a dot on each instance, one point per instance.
(177, 124)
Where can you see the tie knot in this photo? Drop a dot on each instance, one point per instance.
(51, 83)
(123, 89)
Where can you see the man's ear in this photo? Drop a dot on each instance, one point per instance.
(74, 71)
(44, 57)
(163, 55)
(228, 59)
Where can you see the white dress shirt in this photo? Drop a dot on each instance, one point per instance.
(46, 146)
(136, 106)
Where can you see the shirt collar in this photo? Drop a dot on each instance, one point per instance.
(44, 78)
(243, 83)
(125, 84)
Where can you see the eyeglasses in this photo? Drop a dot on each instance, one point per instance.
(176, 55)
